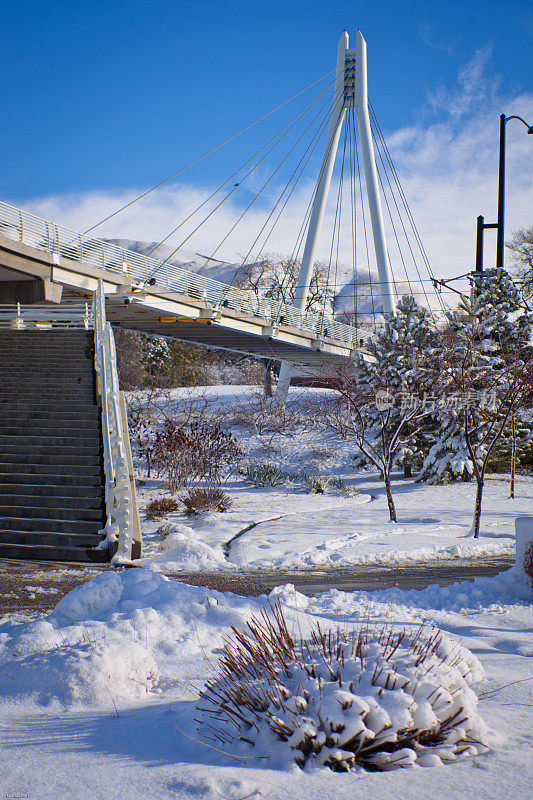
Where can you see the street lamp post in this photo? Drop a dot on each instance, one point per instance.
(500, 225)
(476, 276)
(500, 244)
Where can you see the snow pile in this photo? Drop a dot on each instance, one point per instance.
(493, 595)
(182, 549)
(376, 699)
(122, 637)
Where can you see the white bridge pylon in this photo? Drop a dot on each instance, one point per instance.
(350, 91)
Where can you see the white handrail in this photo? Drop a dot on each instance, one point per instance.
(71, 315)
(118, 495)
(22, 226)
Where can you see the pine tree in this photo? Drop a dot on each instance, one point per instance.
(493, 333)
(157, 355)
(487, 363)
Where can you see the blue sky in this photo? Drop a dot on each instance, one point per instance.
(103, 98)
(115, 94)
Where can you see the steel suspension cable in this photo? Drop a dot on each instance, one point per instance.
(392, 222)
(292, 123)
(307, 216)
(405, 203)
(300, 167)
(334, 102)
(208, 153)
(258, 194)
(208, 216)
(400, 217)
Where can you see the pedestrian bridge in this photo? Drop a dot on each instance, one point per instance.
(42, 261)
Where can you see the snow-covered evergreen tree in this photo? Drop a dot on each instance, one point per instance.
(384, 403)
(157, 355)
(448, 459)
(491, 329)
(487, 361)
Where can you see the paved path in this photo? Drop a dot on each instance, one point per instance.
(34, 587)
(370, 578)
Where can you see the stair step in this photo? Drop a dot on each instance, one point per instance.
(44, 449)
(30, 441)
(45, 355)
(51, 525)
(16, 500)
(18, 353)
(50, 539)
(40, 338)
(27, 474)
(30, 511)
(27, 440)
(23, 411)
(71, 363)
(47, 382)
(50, 394)
(36, 339)
(52, 430)
(41, 459)
(14, 352)
(57, 400)
(47, 491)
(53, 553)
(60, 407)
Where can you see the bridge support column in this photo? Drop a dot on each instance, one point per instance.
(319, 203)
(348, 92)
(371, 176)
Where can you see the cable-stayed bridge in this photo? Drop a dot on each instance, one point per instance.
(66, 472)
(42, 261)
(65, 266)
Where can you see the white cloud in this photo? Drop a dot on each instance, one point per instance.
(447, 163)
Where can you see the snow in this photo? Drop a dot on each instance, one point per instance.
(97, 699)
(287, 528)
(106, 686)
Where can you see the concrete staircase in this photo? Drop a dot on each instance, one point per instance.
(51, 470)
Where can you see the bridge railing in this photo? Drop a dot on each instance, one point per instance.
(120, 506)
(42, 234)
(41, 317)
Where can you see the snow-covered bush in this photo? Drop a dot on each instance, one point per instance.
(195, 451)
(323, 484)
(266, 474)
(205, 501)
(373, 698)
(161, 506)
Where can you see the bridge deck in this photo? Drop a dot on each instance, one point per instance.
(181, 304)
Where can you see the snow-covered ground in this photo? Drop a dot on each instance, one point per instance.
(98, 699)
(289, 528)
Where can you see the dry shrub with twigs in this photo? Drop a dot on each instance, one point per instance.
(204, 501)
(372, 699)
(196, 451)
(161, 506)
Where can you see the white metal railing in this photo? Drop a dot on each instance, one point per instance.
(22, 226)
(45, 317)
(118, 491)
